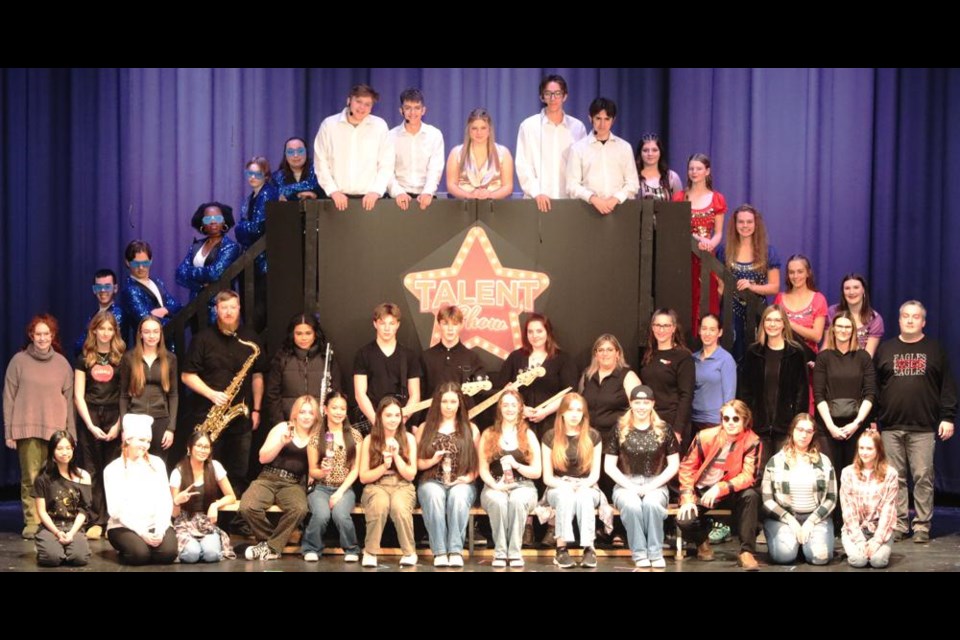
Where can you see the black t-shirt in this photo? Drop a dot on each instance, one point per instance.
(217, 358)
(574, 468)
(386, 375)
(64, 498)
(561, 372)
(441, 365)
(102, 382)
(771, 379)
(642, 452)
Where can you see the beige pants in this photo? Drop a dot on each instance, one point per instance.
(392, 497)
(32, 453)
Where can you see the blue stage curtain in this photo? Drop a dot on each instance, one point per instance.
(852, 167)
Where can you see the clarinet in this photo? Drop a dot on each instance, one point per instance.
(327, 379)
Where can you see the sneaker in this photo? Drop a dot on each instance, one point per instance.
(704, 552)
(920, 536)
(260, 551)
(528, 535)
(589, 558)
(747, 561)
(498, 563)
(441, 561)
(898, 536)
(95, 532)
(549, 539)
(517, 563)
(659, 564)
(351, 557)
(456, 560)
(408, 561)
(642, 563)
(719, 534)
(311, 556)
(562, 559)
(369, 560)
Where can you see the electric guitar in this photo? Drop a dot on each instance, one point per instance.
(524, 378)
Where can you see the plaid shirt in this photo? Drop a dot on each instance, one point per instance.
(777, 498)
(868, 504)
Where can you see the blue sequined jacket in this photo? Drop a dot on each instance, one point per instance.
(253, 222)
(290, 191)
(196, 278)
(138, 301)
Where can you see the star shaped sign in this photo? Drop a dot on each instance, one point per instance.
(491, 296)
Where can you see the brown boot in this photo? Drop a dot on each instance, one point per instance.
(705, 552)
(747, 561)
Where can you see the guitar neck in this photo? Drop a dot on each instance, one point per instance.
(486, 404)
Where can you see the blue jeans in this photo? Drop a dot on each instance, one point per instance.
(581, 503)
(857, 551)
(207, 548)
(643, 519)
(321, 513)
(783, 546)
(446, 511)
(508, 514)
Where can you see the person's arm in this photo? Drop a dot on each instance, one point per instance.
(407, 468)
(631, 179)
(256, 411)
(453, 177)
(665, 476)
(228, 497)
(506, 178)
(413, 393)
(610, 467)
(549, 479)
(526, 162)
(576, 187)
(747, 475)
(717, 237)
(434, 460)
(368, 475)
(351, 476)
(197, 385)
(323, 159)
(888, 508)
(386, 161)
(360, 395)
(769, 498)
(534, 469)
(11, 385)
(79, 399)
(484, 463)
(316, 470)
(686, 381)
(948, 398)
(771, 288)
(820, 374)
(630, 381)
(173, 401)
(276, 440)
(728, 377)
(852, 527)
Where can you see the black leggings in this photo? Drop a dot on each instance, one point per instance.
(133, 550)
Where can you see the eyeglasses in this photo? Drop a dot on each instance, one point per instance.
(253, 174)
(734, 419)
(202, 447)
(212, 219)
(606, 350)
(809, 432)
(140, 264)
(663, 326)
(103, 288)
(552, 94)
(299, 151)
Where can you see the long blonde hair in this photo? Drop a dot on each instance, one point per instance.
(492, 157)
(138, 372)
(558, 454)
(490, 441)
(758, 240)
(117, 345)
(628, 421)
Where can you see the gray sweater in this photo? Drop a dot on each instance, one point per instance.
(37, 395)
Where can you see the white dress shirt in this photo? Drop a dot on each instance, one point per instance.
(543, 149)
(602, 169)
(419, 160)
(355, 160)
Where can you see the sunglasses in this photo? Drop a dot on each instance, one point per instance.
(103, 288)
(140, 264)
(299, 151)
(733, 419)
(212, 219)
(253, 174)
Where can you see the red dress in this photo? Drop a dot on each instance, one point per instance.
(703, 223)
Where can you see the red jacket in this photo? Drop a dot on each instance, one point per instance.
(739, 470)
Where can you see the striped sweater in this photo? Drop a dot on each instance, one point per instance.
(777, 497)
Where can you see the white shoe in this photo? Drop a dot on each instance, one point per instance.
(351, 557)
(409, 561)
(516, 563)
(441, 561)
(499, 563)
(659, 563)
(310, 556)
(369, 560)
(456, 560)
(642, 564)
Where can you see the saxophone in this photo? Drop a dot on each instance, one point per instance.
(220, 416)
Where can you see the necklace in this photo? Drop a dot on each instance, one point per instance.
(103, 358)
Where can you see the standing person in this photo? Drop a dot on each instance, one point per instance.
(754, 263)
(642, 457)
(253, 211)
(571, 469)
(799, 494)
(385, 367)
(334, 458)
(352, 153)
(142, 295)
(105, 291)
(543, 145)
(200, 487)
(855, 298)
(139, 500)
(62, 494)
(668, 368)
(449, 360)
(37, 401)
(148, 385)
(918, 403)
(447, 461)
(208, 257)
(606, 385)
(509, 463)
(480, 169)
(296, 179)
(657, 182)
(719, 472)
(388, 465)
(716, 376)
(282, 481)
(806, 307)
(774, 380)
(601, 169)
(217, 361)
(419, 161)
(96, 388)
(868, 497)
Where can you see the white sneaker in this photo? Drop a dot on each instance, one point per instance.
(441, 561)
(659, 563)
(499, 563)
(456, 560)
(408, 561)
(643, 563)
(369, 560)
(351, 557)
(260, 551)
(310, 556)
(517, 563)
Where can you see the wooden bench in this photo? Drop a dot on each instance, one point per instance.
(672, 511)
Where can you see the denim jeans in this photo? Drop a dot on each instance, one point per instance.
(913, 448)
(783, 546)
(207, 548)
(508, 514)
(581, 503)
(321, 514)
(857, 552)
(643, 518)
(446, 510)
